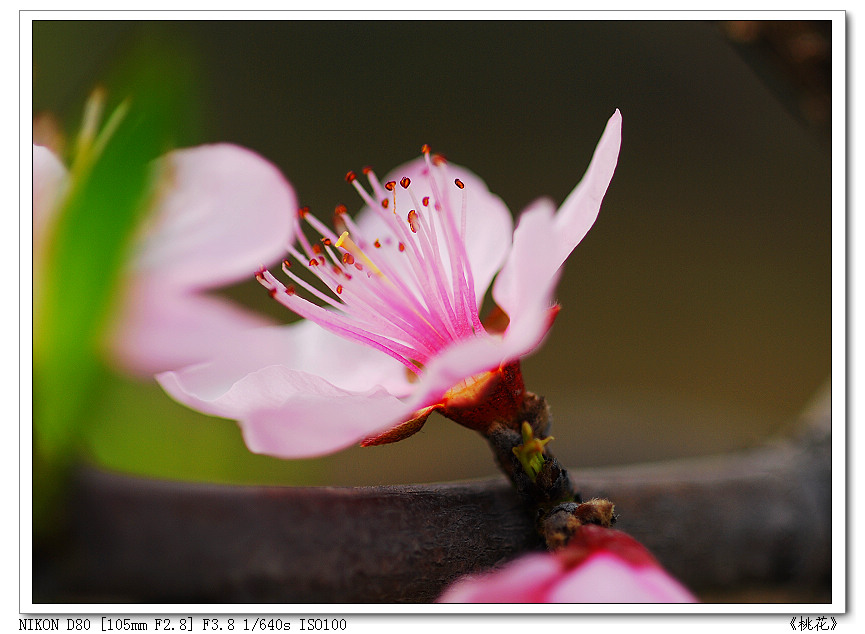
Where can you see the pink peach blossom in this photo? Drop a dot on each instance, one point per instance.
(599, 565)
(219, 212)
(399, 334)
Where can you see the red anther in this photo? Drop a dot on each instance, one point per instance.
(337, 270)
(358, 266)
(339, 289)
(290, 290)
(326, 242)
(425, 201)
(385, 202)
(439, 159)
(347, 258)
(321, 259)
(390, 185)
(459, 183)
(425, 149)
(316, 248)
(366, 170)
(340, 209)
(303, 211)
(272, 291)
(377, 244)
(313, 262)
(401, 246)
(405, 181)
(286, 264)
(350, 177)
(412, 220)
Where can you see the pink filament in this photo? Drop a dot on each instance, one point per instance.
(410, 312)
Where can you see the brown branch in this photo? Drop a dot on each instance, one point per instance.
(757, 517)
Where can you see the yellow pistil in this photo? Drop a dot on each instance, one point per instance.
(468, 391)
(348, 244)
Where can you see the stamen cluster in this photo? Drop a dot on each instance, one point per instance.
(409, 291)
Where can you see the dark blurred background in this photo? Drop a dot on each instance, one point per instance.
(695, 314)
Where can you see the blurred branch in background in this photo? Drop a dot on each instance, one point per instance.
(794, 59)
(748, 526)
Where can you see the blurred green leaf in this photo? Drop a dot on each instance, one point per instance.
(110, 185)
(135, 428)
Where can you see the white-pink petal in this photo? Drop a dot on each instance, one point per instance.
(289, 413)
(543, 240)
(605, 578)
(49, 181)
(159, 328)
(304, 416)
(297, 390)
(303, 346)
(580, 209)
(524, 289)
(285, 376)
(220, 212)
(524, 580)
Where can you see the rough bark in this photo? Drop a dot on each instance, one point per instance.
(760, 517)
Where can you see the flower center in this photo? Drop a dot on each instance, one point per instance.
(486, 398)
(402, 283)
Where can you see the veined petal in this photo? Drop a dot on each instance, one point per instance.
(159, 329)
(221, 211)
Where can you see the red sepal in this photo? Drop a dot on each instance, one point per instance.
(590, 539)
(401, 431)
